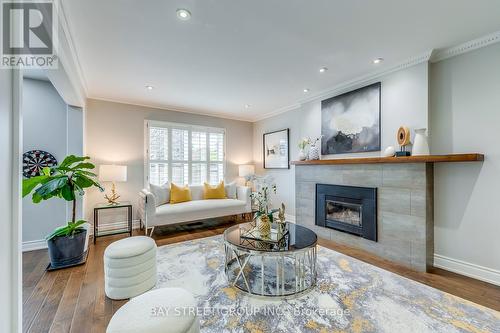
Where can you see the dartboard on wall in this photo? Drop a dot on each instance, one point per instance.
(35, 160)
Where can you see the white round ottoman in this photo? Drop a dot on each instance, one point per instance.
(129, 267)
(167, 310)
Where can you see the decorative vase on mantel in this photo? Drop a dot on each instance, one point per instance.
(314, 152)
(421, 143)
(302, 155)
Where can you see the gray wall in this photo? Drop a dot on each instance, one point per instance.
(404, 102)
(465, 117)
(115, 134)
(49, 125)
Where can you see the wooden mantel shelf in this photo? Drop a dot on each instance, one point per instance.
(474, 157)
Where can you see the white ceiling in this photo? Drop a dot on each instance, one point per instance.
(258, 52)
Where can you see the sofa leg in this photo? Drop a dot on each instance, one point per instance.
(151, 233)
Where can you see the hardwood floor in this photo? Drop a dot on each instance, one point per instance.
(73, 299)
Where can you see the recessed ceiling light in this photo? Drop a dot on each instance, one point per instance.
(378, 60)
(183, 14)
(150, 87)
(306, 90)
(247, 106)
(323, 69)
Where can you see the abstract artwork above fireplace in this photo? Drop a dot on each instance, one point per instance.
(350, 209)
(350, 123)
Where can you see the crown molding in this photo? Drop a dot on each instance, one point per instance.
(466, 47)
(277, 112)
(71, 53)
(365, 79)
(173, 108)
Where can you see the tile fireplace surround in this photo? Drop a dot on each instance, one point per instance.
(404, 214)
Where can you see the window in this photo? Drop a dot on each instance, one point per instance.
(184, 154)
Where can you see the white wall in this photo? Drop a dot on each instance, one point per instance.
(115, 134)
(10, 260)
(404, 102)
(465, 117)
(51, 126)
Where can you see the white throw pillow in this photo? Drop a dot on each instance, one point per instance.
(161, 193)
(230, 190)
(196, 192)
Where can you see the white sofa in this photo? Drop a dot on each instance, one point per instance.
(154, 213)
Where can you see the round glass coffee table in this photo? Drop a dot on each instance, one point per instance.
(281, 266)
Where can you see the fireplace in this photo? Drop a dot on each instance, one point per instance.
(347, 208)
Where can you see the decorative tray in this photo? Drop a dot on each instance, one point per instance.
(275, 236)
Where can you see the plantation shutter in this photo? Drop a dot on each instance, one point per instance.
(185, 154)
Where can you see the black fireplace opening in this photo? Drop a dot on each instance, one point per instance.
(347, 208)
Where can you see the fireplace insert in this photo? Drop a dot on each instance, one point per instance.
(347, 208)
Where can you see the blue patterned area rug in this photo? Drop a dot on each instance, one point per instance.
(350, 296)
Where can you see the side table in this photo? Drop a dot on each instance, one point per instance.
(101, 206)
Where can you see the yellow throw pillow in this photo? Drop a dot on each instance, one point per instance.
(179, 194)
(214, 192)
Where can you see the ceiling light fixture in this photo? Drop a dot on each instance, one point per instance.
(378, 60)
(183, 14)
(150, 87)
(306, 90)
(323, 69)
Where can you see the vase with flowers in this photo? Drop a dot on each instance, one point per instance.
(263, 217)
(303, 143)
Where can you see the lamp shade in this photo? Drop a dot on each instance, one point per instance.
(112, 173)
(246, 170)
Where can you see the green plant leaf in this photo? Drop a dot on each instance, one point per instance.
(46, 171)
(67, 193)
(30, 183)
(85, 173)
(82, 181)
(69, 160)
(85, 165)
(52, 186)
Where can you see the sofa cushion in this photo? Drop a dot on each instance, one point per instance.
(231, 190)
(196, 192)
(161, 193)
(197, 210)
(214, 192)
(179, 194)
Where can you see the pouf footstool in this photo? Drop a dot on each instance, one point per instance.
(166, 310)
(129, 267)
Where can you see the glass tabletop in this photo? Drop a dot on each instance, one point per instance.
(298, 238)
(104, 205)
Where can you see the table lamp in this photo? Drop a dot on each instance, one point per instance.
(246, 171)
(112, 173)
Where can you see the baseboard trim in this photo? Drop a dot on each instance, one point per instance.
(40, 244)
(34, 245)
(465, 268)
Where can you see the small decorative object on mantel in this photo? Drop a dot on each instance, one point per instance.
(35, 160)
(302, 149)
(421, 144)
(314, 152)
(389, 151)
(404, 141)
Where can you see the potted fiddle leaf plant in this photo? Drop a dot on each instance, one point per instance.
(65, 181)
